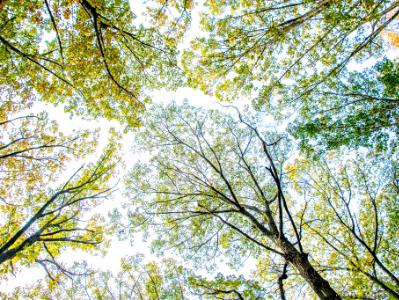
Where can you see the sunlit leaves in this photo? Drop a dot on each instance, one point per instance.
(137, 279)
(33, 151)
(88, 55)
(296, 44)
(45, 208)
(179, 190)
(361, 110)
(351, 213)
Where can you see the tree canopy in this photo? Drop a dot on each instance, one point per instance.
(361, 110)
(41, 213)
(217, 184)
(88, 55)
(285, 187)
(253, 46)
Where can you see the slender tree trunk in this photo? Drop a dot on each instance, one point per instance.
(300, 261)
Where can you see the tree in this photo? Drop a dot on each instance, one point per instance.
(137, 279)
(33, 151)
(88, 55)
(260, 46)
(214, 184)
(352, 208)
(39, 232)
(38, 222)
(361, 110)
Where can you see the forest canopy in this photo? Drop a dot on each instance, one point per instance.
(279, 181)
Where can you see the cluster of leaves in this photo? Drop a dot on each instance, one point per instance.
(221, 185)
(252, 47)
(92, 57)
(352, 206)
(190, 203)
(360, 110)
(291, 56)
(33, 152)
(138, 279)
(38, 221)
(88, 55)
(226, 287)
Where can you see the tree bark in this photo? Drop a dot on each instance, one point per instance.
(300, 261)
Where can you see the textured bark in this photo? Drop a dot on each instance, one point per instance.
(300, 261)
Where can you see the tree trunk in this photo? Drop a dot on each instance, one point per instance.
(300, 261)
(7, 255)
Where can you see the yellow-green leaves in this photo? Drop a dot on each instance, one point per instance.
(351, 213)
(45, 206)
(33, 152)
(87, 55)
(304, 42)
(137, 279)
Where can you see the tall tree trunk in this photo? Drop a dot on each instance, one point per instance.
(300, 261)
